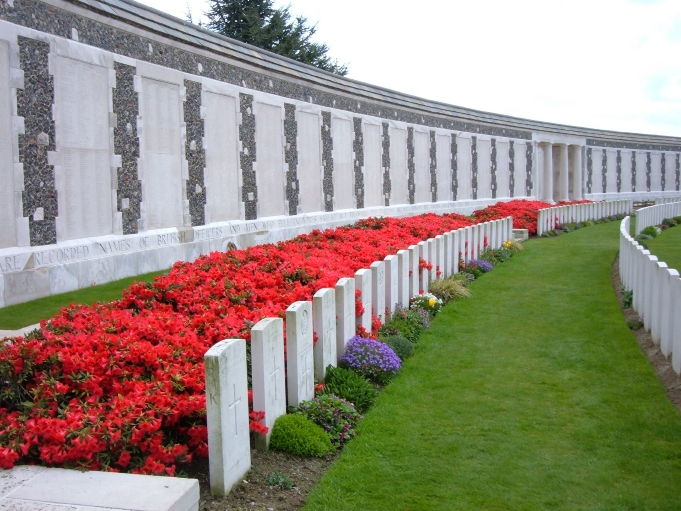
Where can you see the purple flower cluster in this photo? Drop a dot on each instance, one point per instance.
(370, 358)
(483, 266)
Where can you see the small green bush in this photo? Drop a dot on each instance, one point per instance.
(402, 346)
(627, 299)
(405, 323)
(298, 435)
(350, 386)
(279, 480)
(635, 323)
(336, 416)
(651, 230)
(448, 289)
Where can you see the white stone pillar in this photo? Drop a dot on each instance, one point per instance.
(432, 259)
(564, 185)
(378, 289)
(658, 288)
(414, 280)
(391, 283)
(456, 248)
(547, 174)
(425, 274)
(576, 164)
(448, 264)
(299, 354)
(229, 448)
(403, 279)
(324, 315)
(675, 292)
(649, 291)
(345, 313)
(440, 255)
(363, 285)
(668, 306)
(269, 381)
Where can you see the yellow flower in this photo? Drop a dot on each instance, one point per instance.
(431, 302)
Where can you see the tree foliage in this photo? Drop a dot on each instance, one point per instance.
(257, 22)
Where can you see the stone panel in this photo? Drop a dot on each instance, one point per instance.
(528, 169)
(327, 160)
(641, 174)
(474, 167)
(195, 153)
(626, 176)
(484, 169)
(343, 167)
(455, 167)
(247, 156)
(444, 164)
(358, 161)
(291, 158)
(385, 162)
(7, 212)
(493, 168)
(655, 172)
(222, 166)
(502, 173)
(373, 174)
(611, 171)
(433, 166)
(269, 168)
(398, 167)
(309, 163)
(464, 176)
(520, 168)
(422, 191)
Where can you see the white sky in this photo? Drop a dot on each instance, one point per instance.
(609, 64)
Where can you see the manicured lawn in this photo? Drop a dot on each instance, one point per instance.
(531, 395)
(18, 316)
(667, 247)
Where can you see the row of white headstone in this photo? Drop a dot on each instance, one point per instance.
(656, 292)
(331, 316)
(653, 215)
(548, 219)
(666, 200)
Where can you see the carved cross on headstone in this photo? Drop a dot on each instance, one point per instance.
(232, 406)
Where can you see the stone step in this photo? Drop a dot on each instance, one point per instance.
(30, 488)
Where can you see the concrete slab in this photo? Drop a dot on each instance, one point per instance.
(56, 489)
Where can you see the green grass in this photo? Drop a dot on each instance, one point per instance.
(667, 247)
(18, 316)
(531, 395)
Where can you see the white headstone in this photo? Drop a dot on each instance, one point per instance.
(269, 380)
(424, 276)
(222, 166)
(378, 289)
(373, 173)
(8, 224)
(345, 313)
(299, 355)
(398, 166)
(422, 191)
(439, 256)
(343, 165)
(449, 239)
(324, 314)
(414, 274)
(82, 136)
(392, 297)
(432, 259)
(310, 163)
(669, 307)
(403, 278)
(269, 133)
(162, 171)
(456, 249)
(229, 448)
(363, 285)
(675, 291)
(660, 281)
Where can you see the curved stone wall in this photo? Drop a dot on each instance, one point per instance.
(130, 139)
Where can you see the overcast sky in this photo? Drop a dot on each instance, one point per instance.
(609, 64)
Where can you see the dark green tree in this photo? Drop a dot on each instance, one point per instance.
(258, 23)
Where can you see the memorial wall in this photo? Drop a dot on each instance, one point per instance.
(130, 139)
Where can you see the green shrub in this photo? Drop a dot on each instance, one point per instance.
(350, 386)
(405, 323)
(298, 435)
(502, 254)
(488, 255)
(651, 230)
(402, 346)
(279, 480)
(635, 323)
(627, 299)
(669, 222)
(336, 416)
(448, 289)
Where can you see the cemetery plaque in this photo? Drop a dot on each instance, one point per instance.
(162, 176)
(7, 214)
(269, 133)
(82, 131)
(343, 171)
(310, 163)
(398, 167)
(422, 191)
(222, 171)
(373, 174)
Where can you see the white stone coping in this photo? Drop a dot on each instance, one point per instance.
(31, 488)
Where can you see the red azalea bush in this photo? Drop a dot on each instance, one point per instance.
(524, 212)
(120, 386)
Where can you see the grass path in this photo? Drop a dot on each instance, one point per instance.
(20, 315)
(667, 247)
(531, 395)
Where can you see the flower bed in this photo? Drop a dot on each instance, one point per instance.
(120, 386)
